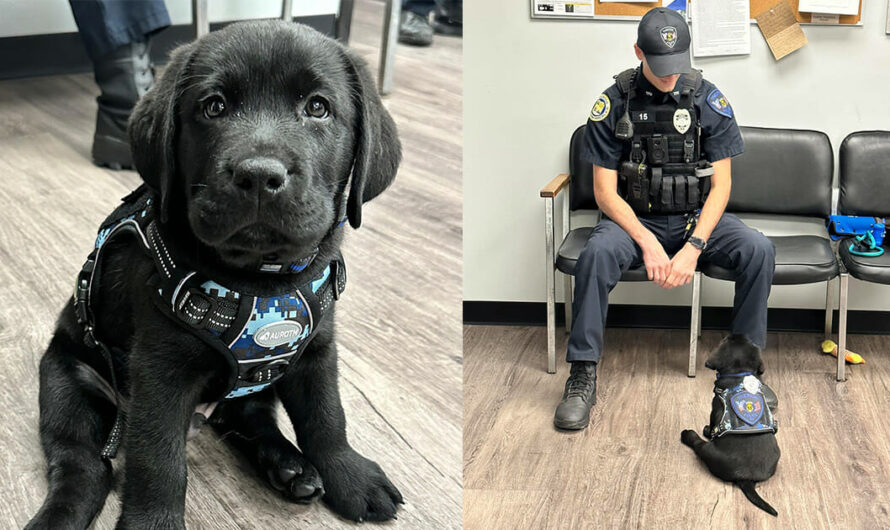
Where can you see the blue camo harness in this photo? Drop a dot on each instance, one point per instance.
(259, 336)
(744, 411)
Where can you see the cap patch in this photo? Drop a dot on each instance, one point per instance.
(718, 102)
(600, 108)
(669, 36)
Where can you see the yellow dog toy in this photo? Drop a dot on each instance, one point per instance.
(830, 347)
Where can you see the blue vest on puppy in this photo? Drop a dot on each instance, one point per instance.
(258, 336)
(745, 409)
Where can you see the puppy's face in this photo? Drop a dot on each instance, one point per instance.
(264, 123)
(735, 354)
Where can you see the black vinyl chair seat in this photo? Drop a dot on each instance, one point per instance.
(876, 270)
(799, 260)
(567, 256)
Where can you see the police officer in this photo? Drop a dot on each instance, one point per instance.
(660, 140)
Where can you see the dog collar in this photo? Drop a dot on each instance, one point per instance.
(740, 374)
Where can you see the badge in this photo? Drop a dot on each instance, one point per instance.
(669, 36)
(751, 384)
(600, 108)
(718, 102)
(682, 120)
(748, 407)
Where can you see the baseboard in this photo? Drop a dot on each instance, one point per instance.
(672, 317)
(64, 53)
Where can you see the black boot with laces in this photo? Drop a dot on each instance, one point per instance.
(573, 412)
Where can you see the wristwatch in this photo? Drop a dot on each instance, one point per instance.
(697, 242)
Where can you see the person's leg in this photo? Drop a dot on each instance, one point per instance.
(608, 253)
(735, 246)
(449, 17)
(414, 22)
(116, 35)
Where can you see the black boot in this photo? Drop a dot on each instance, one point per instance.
(123, 75)
(415, 29)
(573, 412)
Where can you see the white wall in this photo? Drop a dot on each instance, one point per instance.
(528, 84)
(38, 17)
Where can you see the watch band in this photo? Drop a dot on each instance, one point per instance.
(697, 242)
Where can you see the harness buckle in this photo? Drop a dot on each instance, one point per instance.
(89, 339)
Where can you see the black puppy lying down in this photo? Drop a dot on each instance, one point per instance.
(217, 283)
(743, 447)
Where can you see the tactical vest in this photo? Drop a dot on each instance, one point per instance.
(257, 336)
(745, 409)
(661, 168)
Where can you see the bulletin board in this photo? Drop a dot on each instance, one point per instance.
(634, 11)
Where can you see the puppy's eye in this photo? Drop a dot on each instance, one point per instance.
(214, 107)
(317, 107)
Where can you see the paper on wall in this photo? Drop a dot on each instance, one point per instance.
(781, 30)
(720, 28)
(563, 8)
(837, 7)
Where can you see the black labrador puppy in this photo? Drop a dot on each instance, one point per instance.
(743, 447)
(252, 143)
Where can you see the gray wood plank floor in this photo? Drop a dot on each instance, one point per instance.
(628, 469)
(399, 321)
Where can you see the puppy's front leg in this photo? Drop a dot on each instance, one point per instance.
(356, 488)
(167, 378)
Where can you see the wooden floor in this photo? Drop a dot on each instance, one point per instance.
(628, 469)
(399, 333)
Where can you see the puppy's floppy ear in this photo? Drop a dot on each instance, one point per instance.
(378, 151)
(152, 128)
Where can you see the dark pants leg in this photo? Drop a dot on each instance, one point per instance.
(106, 25)
(421, 7)
(752, 256)
(608, 253)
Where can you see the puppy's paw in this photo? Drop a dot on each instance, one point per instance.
(288, 471)
(358, 489)
(689, 437)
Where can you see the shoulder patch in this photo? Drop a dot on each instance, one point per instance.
(718, 102)
(600, 108)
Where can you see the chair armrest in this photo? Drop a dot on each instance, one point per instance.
(556, 185)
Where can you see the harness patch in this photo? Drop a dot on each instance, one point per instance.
(748, 407)
(600, 108)
(718, 102)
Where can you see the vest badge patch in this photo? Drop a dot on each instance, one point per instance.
(718, 102)
(600, 108)
(748, 407)
(682, 120)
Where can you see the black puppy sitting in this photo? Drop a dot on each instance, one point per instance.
(743, 447)
(254, 145)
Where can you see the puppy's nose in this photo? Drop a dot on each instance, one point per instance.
(263, 174)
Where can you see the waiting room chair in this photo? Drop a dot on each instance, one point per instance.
(864, 183)
(787, 172)
(578, 186)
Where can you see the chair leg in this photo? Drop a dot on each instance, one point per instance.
(700, 280)
(551, 285)
(695, 325)
(200, 22)
(568, 285)
(829, 308)
(842, 326)
(287, 10)
(388, 48)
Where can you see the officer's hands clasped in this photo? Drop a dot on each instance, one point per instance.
(656, 260)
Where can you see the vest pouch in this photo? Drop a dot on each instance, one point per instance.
(692, 193)
(636, 188)
(667, 194)
(680, 194)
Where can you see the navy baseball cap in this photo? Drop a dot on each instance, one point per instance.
(664, 38)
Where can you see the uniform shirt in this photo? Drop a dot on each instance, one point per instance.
(720, 135)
